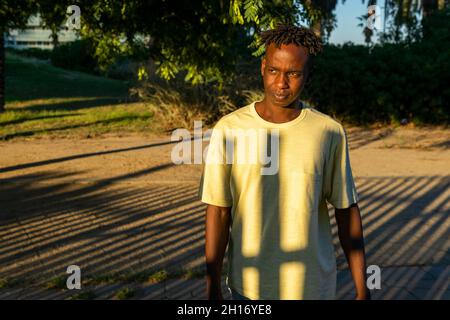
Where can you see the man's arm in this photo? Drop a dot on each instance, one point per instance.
(352, 240)
(218, 220)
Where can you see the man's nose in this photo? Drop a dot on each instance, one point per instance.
(282, 81)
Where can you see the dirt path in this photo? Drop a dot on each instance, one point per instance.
(120, 205)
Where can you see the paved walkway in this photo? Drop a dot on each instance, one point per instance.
(98, 210)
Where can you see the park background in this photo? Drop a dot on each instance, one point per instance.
(86, 176)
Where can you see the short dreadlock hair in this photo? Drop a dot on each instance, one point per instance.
(289, 34)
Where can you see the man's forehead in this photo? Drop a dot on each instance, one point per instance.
(291, 48)
(286, 53)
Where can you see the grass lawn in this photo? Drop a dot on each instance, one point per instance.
(42, 100)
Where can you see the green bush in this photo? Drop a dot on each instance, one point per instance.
(388, 82)
(77, 55)
(42, 54)
(385, 83)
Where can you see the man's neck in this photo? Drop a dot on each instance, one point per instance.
(278, 114)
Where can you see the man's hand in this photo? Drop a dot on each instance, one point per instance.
(218, 221)
(352, 240)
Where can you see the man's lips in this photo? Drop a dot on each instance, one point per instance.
(281, 96)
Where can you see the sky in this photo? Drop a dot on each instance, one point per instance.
(347, 22)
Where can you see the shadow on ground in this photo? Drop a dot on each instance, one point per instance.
(113, 227)
(117, 227)
(72, 105)
(70, 127)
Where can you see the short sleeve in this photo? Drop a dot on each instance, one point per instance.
(215, 180)
(340, 190)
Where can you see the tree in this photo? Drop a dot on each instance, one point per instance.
(405, 14)
(53, 15)
(202, 40)
(320, 14)
(13, 14)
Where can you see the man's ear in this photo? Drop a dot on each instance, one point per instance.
(263, 65)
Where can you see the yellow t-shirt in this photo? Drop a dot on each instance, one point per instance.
(280, 242)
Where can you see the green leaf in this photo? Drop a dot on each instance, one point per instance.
(235, 12)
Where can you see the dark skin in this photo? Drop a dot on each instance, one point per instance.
(284, 71)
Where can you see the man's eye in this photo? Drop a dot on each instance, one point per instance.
(272, 71)
(295, 74)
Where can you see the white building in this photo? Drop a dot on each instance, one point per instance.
(34, 36)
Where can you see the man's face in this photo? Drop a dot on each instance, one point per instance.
(284, 72)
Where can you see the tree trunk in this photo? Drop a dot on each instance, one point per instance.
(54, 36)
(2, 72)
(317, 28)
(429, 6)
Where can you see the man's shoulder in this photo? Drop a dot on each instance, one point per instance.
(233, 116)
(326, 121)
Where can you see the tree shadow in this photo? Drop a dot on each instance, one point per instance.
(444, 144)
(104, 227)
(69, 127)
(361, 137)
(32, 118)
(77, 104)
(86, 155)
(110, 227)
(406, 224)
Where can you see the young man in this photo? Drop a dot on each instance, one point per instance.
(275, 219)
